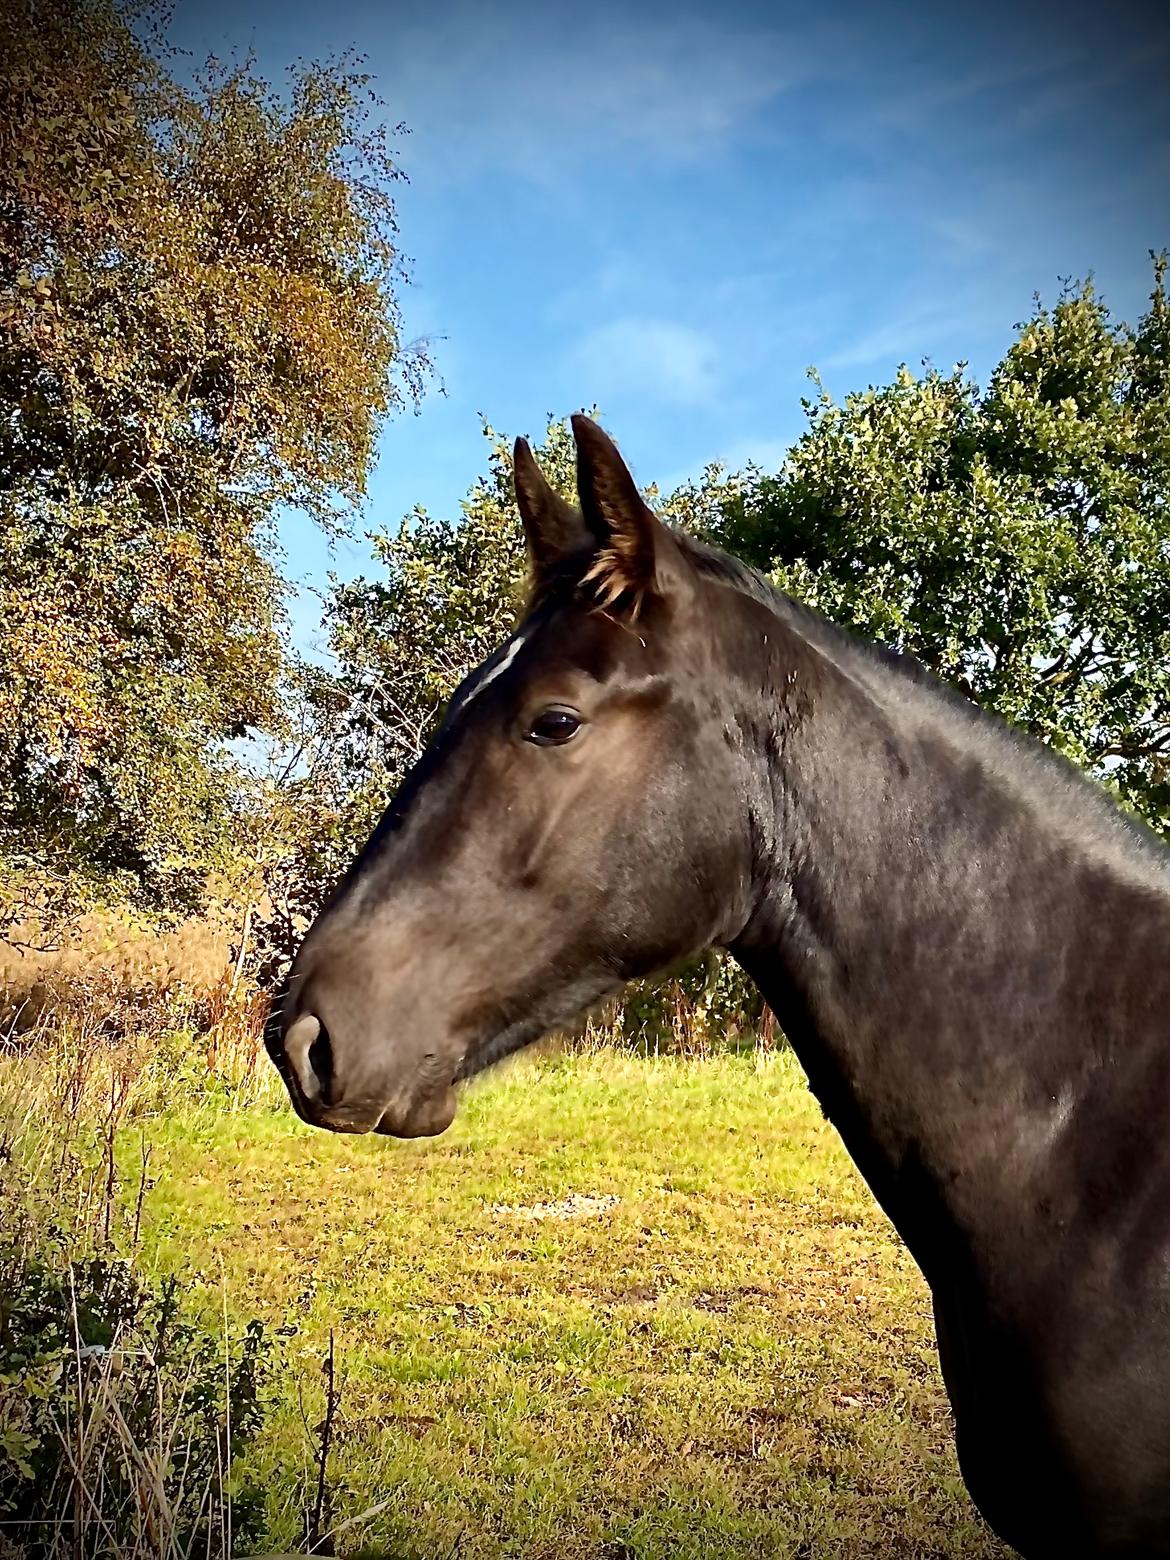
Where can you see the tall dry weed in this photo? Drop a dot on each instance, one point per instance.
(120, 1414)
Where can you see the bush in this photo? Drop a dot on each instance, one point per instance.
(706, 1004)
(120, 1416)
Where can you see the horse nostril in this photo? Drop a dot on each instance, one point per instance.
(310, 1056)
(321, 1059)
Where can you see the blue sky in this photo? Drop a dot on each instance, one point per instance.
(672, 210)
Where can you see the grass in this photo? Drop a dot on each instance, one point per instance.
(121, 1411)
(624, 1307)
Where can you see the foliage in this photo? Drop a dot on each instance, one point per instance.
(1017, 541)
(124, 1411)
(197, 324)
(118, 1409)
(704, 1006)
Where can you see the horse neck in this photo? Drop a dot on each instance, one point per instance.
(954, 960)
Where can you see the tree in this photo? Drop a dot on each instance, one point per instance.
(1017, 541)
(197, 326)
(445, 595)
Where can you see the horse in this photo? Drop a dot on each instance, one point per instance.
(965, 940)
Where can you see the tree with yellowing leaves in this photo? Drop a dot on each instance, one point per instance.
(198, 327)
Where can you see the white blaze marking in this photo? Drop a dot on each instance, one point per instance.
(501, 666)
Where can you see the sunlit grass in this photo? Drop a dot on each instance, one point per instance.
(734, 1358)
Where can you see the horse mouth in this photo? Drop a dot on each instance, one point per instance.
(426, 1118)
(423, 1116)
(423, 1110)
(431, 1113)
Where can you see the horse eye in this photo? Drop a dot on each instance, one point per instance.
(553, 726)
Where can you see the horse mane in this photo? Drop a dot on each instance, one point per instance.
(1006, 748)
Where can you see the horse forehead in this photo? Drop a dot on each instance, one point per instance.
(562, 643)
(494, 666)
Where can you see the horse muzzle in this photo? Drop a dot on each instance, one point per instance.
(352, 1081)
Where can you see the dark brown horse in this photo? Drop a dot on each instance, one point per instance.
(966, 942)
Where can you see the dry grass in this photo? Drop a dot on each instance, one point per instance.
(113, 974)
(123, 947)
(107, 1394)
(112, 1496)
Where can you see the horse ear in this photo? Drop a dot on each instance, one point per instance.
(553, 528)
(637, 555)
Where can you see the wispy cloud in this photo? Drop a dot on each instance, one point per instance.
(908, 335)
(660, 359)
(529, 101)
(963, 237)
(911, 107)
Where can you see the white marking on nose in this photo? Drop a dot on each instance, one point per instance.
(501, 665)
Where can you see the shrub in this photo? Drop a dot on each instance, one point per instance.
(120, 1416)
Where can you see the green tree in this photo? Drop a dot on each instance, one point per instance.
(1017, 541)
(197, 326)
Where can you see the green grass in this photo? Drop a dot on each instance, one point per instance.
(734, 1359)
